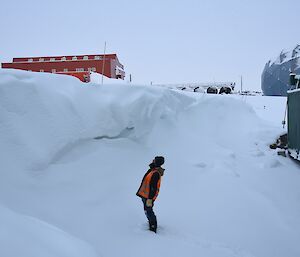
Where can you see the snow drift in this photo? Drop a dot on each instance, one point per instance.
(73, 155)
(43, 115)
(27, 236)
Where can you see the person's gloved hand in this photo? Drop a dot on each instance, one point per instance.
(149, 203)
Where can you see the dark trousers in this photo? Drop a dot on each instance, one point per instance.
(150, 215)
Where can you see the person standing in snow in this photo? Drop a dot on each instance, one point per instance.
(149, 189)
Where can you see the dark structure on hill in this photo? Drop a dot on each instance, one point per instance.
(275, 76)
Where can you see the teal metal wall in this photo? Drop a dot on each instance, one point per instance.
(294, 123)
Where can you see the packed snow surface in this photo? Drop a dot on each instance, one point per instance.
(73, 155)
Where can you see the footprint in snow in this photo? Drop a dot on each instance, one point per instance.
(274, 163)
(258, 153)
(200, 165)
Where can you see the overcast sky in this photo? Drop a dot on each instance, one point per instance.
(164, 41)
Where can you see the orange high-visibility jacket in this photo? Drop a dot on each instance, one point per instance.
(146, 186)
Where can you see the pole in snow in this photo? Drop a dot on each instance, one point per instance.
(241, 84)
(103, 63)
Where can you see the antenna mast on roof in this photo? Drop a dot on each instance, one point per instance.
(103, 63)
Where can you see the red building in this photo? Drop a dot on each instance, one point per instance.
(79, 66)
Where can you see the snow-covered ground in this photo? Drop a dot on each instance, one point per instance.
(65, 193)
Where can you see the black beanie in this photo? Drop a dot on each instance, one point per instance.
(159, 160)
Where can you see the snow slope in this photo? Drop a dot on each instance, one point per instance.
(224, 192)
(27, 236)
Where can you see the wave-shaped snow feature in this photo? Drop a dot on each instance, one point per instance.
(43, 114)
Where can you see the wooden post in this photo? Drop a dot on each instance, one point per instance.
(241, 84)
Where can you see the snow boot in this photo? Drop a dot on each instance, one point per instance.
(152, 228)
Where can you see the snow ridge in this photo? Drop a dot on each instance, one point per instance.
(65, 113)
